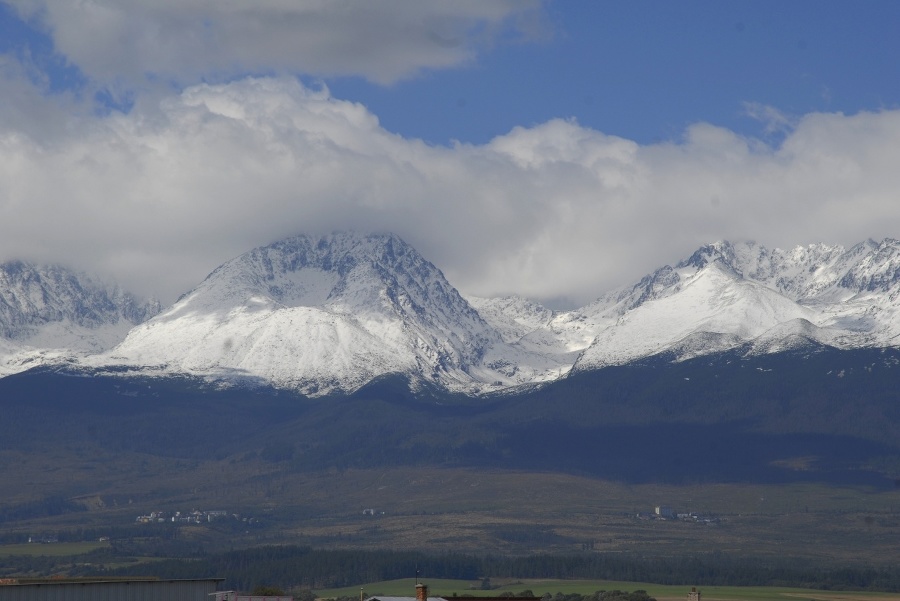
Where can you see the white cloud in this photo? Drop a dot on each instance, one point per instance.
(122, 43)
(773, 120)
(160, 198)
(25, 103)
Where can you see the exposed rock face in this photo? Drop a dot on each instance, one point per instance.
(32, 296)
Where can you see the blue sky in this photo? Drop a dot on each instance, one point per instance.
(646, 70)
(549, 149)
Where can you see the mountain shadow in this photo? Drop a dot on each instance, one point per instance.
(827, 415)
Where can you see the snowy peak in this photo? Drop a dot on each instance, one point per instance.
(344, 273)
(32, 296)
(726, 294)
(722, 252)
(876, 270)
(806, 273)
(50, 313)
(713, 300)
(331, 313)
(319, 314)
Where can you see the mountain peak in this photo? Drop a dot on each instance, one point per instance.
(318, 314)
(734, 256)
(53, 313)
(33, 295)
(331, 313)
(877, 270)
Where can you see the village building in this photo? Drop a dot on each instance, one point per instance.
(422, 595)
(99, 589)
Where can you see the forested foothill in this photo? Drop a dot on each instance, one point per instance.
(84, 454)
(295, 569)
(291, 567)
(710, 419)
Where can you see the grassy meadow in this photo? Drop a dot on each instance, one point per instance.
(449, 588)
(51, 549)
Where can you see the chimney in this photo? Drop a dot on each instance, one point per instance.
(421, 592)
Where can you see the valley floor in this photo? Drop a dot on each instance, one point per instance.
(439, 509)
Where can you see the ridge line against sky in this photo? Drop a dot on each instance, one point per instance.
(549, 149)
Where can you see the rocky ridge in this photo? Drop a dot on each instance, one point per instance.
(326, 314)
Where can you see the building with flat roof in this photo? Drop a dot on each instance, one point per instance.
(114, 589)
(422, 595)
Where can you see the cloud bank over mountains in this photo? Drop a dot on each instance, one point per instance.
(161, 199)
(159, 195)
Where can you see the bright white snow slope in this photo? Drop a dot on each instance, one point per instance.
(727, 295)
(332, 313)
(49, 313)
(317, 315)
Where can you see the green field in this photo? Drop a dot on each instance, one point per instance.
(51, 549)
(447, 588)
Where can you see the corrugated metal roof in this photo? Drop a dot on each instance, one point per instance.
(110, 590)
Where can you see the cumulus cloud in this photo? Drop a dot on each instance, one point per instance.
(158, 199)
(126, 43)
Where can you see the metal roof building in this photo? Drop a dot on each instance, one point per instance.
(422, 595)
(108, 590)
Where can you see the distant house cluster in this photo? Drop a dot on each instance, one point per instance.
(47, 539)
(190, 517)
(665, 512)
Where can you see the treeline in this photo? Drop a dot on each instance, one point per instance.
(301, 567)
(123, 534)
(603, 595)
(291, 567)
(614, 595)
(39, 508)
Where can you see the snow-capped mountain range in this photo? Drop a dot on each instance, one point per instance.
(330, 314)
(50, 313)
(318, 315)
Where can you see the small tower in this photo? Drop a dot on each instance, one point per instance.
(694, 595)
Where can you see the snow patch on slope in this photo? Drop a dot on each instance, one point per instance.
(795, 334)
(712, 300)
